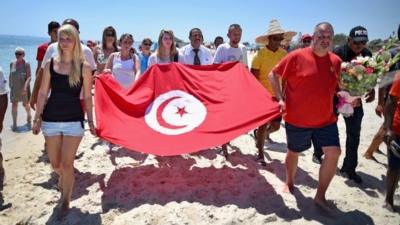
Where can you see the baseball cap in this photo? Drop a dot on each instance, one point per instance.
(306, 37)
(359, 33)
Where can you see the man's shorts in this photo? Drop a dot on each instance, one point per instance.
(393, 160)
(299, 139)
(62, 128)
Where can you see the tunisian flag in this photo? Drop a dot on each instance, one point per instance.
(174, 109)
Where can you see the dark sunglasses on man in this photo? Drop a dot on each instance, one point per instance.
(360, 42)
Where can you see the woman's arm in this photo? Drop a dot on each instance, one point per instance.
(137, 67)
(109, 64)
(87, 95)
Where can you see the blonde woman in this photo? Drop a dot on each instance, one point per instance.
(166, 49)
(60, 116)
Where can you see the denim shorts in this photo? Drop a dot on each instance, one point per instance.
(62, 128)
(299, 138)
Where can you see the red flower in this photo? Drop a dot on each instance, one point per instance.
(369, 70)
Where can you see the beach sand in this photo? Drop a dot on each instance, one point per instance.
(127, 187)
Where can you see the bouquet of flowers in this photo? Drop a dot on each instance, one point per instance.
(362, 74)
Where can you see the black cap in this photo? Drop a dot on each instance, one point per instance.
(359, 33)
(52, 25)
(72, 22)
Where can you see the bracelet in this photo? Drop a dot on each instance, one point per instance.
(90, 121)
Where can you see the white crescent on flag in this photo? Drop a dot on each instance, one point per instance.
(175, 112)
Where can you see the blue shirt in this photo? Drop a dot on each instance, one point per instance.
(143, 62)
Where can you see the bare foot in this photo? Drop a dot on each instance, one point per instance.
(367, 156)
(64, 207)
(288, 188)
(389, 206)
(325, 206)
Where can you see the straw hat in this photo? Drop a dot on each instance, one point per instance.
(274, 28)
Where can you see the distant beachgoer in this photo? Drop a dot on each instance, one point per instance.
(124, 65)
(60, 115)
(218, 41)
(166, 49)
(108, 46)
(230, 52)
(310, 74)
(3, 109)
(263, 62)
(305, 40)
(52, 52)
(92, 44)
(19, 82)
(144, 54)
(195, 53)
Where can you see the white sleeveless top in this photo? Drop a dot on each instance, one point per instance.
(123, 70)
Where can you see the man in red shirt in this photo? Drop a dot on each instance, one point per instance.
(52, 29)
(311, 78)
(392, 139)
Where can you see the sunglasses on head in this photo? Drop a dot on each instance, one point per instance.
(360, 42)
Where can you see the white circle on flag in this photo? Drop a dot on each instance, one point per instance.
(175, 112)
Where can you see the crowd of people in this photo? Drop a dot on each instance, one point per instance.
(295, 79)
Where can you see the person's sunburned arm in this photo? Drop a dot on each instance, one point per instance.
(36, 87)
(137, 68)
(43, 92)
(38, 66)
(276, 87)
(87, 95)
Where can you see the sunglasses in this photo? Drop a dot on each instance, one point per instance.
(307, 42)
(110, 35)
(147, 44)
(277, 38)
(360, 42)
(19, 53)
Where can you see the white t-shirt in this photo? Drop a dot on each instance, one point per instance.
(3, 83)
(186, 55)
(123, 70)
(153, 59)
(52, 51)
(226, 53)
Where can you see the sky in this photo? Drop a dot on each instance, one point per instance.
(146, 18)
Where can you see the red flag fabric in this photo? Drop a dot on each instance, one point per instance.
(175, 109)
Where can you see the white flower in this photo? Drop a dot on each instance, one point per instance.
(386, 56)
(361, 59)
(344, 65)
(372, 63)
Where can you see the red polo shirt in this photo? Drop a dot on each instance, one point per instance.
(311, 83)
